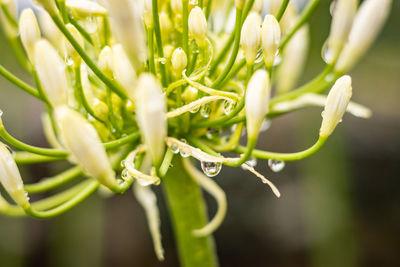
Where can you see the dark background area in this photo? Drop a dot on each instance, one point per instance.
(339, 207)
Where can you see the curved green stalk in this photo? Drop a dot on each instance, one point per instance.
(122, 141)
(80, 29)
(187, 209)
(282, 10)
(26, 158)
(235, 50)
(251, 144)
(47, 184)
(90, 187)
(150, 44)
(159, 42)
(19, 83)
(165, 165)
(285, 156)
(107, 81)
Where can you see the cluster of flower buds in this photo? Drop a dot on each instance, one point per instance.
(132, 82)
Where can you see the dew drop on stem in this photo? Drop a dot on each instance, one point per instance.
(211, 169)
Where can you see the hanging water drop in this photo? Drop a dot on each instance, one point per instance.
(123, 162)
(251, 162)
(278, 60)
(211, 169)
(194, 109)
(229, 105)
(276, 165)
(175, 149)
(69, 61)
(327, 54)
(205, 110)
(184, 154)
(125, 174)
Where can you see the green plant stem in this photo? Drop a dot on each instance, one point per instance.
(150, 44)
(47, 184)
(185, 29)
(19, 83)
(285, 156)
(235, 50)
(282, 10)
(8, 16)
(26, 158)
(187, 211)
(115, 87)
(122, 141)
(308, 11)
(90, 187)
(251, 144)
(159, 42)
(165, 165)
(81, 30)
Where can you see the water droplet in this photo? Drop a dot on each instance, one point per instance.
(205, 110)
(229, 105)
(340, 120)
(91, 24)
(1, 113)
(233, 128)
(212, 133)
(125, 174)
(326, 53)
(162, 60)
(278, 60)
(211, 169)
(123, 162)
(68, 60)
(175, 149)
(195, 109)
(276, 165)
(266, 124)
(252, 162)
(330, 77)
(184, 153)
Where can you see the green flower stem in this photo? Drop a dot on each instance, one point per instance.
(208, 9)
(26, 158)
(81, 94)
(115, 87)
(19, 83)
(308, 11)
(19, 52)
(122, 141)
(33, 149)
(187, 209)
(185, 29)
(282, 10)
(159, 43)
(43, 204)
(285, 156)
(8, 16)
(53, 182)
(90, 187)
(165, 165)
(150, 44)
(80, 29)
(235, 70)
(251, 144)
(217, 83)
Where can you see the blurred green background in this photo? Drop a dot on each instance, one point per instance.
(339, 207)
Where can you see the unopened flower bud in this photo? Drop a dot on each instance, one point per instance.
(198, 25)
(270, 39)
(257, 101)
(50, 30)
(29, 31)
(251, 36)
(367, 24)
(10, 177)
(258, 6)
(336, 105)
(86, 8)
(190, 94)
(123, 70)
(176, 6)
(166, 26)
(289, 18)
(51, 71)
(148, 14)
(106, 61)
(82, 141)
(129, 30)
(151, 115)
(70, 50)
(342, 20)
(48, 5)
(178, 60)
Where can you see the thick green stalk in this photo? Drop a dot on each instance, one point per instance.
(188, 212)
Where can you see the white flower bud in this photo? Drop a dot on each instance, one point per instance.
(256, 102)
(10, 177)
(86, 8)
(29, 31)
(70, 50)
(51, 71)
(178, 60)
(123, 70)
(270, 39)
(293, 59)
(48, 5)
(336, 105)
(367, 24)
(129, 29)
(288, 19)
(151, 115)
(106, 60)
(342, 20)
(82, 141)
(50, 30)
(198, 25)
(176, 6)
(148, 13)
(251, 36)
(258, 6)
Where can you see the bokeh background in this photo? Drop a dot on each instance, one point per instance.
(339, 207)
